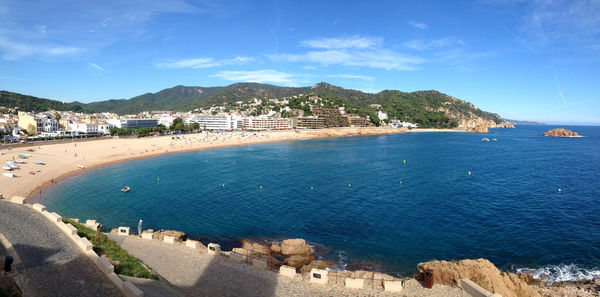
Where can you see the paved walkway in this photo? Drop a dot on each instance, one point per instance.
(51, 264)
(195, 273)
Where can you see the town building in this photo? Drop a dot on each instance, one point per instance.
(215, 122)
(308, 123)
(402, 124)
(265, 123)
(133, 123)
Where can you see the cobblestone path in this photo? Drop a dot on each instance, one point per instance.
(52, 265)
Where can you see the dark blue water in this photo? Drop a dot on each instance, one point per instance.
(356, 196)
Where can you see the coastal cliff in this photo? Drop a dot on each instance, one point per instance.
(474, 120)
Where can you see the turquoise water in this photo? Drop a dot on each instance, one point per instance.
(356, 197)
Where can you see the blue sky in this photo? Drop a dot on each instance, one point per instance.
(530, 60)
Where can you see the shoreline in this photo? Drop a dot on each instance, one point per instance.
(114, 150)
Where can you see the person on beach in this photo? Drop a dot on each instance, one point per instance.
(140, 228)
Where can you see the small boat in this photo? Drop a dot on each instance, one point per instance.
(485, 139)
(20, 161)
(12, 165)
(81, 166)
(8, 174)
(39, 162)
(6, 168)
(126, 189)
(23, 157)
(495, 139)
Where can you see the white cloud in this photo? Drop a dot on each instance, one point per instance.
(95, 66)
(203, 62)
(341, 43)
(355, 51)
(14, 50)
(108, 20)
(260, 76)
(418, 25)
(423, 45)
(372, 58)
(352, 76)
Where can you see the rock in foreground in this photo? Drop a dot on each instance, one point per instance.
(560, 132)
(480, 271)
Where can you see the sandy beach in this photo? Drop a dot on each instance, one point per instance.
(68, 158)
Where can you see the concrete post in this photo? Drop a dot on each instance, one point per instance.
(318, 276)
(214, 249)
(123, 231)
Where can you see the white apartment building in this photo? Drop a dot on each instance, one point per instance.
(215, 122)
(90, 128)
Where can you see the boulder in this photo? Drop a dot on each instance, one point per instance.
(481, 272)
(179, 236)
(297, 261)
(296, 246)
(318, 264)
(560, 132)
(275, 248)
(255, 246)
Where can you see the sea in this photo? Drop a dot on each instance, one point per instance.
(522, 200)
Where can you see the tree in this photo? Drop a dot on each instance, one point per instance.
(177, 121)
(195, 126)
(57, 116)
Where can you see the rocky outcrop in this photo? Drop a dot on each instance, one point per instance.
(471, 121)
(292, 252)
(481, 128)
(179, 236)
(298, 261)
(256, 247)
(295, 246)
(480, 271)
(560, 132)
(582, 288)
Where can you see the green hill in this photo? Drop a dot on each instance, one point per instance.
(31, 103)
(427, 108)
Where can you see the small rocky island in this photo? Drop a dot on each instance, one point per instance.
(560, 132)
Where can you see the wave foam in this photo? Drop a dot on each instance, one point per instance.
(560, 273)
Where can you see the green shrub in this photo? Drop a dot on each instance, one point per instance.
(128, 265)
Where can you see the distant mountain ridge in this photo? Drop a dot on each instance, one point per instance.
(427, 108)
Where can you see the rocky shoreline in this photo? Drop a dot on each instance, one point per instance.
(303, 256)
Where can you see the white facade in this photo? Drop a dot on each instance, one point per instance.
(46, 123)
(402, 124)
(382, 115)
(83, 128)
(166, 120)
(115, 122)
(215, 122)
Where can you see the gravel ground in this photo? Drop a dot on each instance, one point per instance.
(53, 265)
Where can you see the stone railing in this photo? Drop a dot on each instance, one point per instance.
(349, 279)
(475, 290)
(126, 287)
